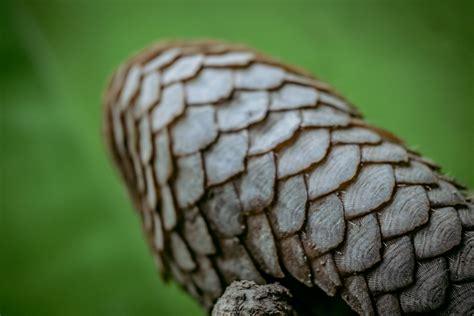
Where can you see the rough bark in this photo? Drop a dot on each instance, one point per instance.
(248, 298)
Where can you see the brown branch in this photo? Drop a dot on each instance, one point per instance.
(248, 298)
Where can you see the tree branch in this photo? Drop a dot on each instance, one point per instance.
(248, 298)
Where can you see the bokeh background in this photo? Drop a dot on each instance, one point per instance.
(70, 242)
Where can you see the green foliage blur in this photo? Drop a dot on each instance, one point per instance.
(70, 242)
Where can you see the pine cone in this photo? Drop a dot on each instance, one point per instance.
(244, 168)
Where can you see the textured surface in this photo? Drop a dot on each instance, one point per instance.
(248, 298)
(379, 190)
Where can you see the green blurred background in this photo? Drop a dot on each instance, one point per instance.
(70, 241)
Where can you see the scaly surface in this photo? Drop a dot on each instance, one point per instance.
(244, 168)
